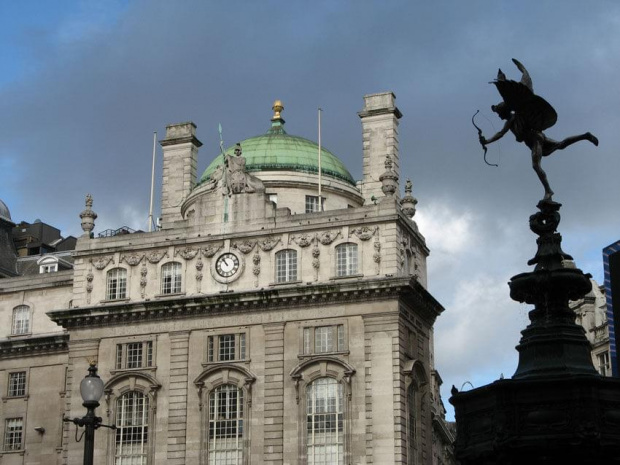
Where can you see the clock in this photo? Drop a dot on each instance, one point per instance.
(227, 265)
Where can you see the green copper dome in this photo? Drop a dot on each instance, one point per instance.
(278, 151)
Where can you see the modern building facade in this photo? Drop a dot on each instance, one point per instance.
(611, 265)
(265, 322)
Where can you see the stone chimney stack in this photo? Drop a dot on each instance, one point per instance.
(180, 148)
(380, 138)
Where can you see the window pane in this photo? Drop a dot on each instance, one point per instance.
(225, 444)
(241, 346)
(411, 425)
(134, 355)
(307, 340)
(149, 354)
(210, 349)
(346, 259)
(13, 432)
(117, 284)
(226, 347)
(286, 266)
(324, 339)
(324, 422)
(21, 320)
(171, 278)
(17, 384)
(603, 363)
(119, 356)
(132, 429)
(312, 203)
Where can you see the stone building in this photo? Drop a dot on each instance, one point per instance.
(262, 323)
(591, 313)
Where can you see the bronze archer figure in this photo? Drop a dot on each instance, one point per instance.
(527, 115)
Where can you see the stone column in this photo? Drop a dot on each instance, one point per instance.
(180, 149)
(380, 138)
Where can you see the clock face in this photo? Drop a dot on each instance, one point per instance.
(227, 265)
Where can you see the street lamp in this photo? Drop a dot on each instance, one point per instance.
(91, 390)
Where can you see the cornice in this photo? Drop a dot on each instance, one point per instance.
(302, 295)
(34, 345)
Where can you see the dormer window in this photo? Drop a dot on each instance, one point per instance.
(48, 264)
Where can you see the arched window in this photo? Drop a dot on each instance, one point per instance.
(286, 266)
(346, 259)
(21, 320)
(171, 278)
(412, 441)
(225, 393)
(324, 422)
(116, 286)
(132, 429)
(416, 387)
(226, 428)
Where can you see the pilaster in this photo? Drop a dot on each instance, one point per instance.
(177, 398)
(274, 391)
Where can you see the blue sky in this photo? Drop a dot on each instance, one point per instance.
(84, 84)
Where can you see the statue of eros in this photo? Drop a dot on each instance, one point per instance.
(527, 115)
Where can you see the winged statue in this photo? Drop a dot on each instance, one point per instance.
(527, 115)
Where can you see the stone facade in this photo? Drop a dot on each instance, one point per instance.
(591, 313)
(245, 331)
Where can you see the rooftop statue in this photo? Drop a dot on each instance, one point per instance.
(236, 178)
(527, 115)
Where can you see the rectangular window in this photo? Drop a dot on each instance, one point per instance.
(116, 285)
(603, 364)
(171, 278)
(286, 266)
(312, 203)
(226, 347)
(226, 425)
(13, 433)
(48, 268)
(324, 339)
(17, 384)
(134, 355)
(346, 259)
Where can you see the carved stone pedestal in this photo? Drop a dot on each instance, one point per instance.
(556, 409)
(557, 420)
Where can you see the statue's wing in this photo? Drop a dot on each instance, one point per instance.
(535, 111)
(526, 80)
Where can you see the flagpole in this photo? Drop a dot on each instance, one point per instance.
(320, 182)
(152, 182)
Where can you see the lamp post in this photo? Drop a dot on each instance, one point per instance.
(91, 390)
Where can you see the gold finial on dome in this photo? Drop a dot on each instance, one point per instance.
(277, 109)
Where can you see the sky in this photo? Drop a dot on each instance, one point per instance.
(84, 84)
